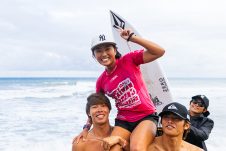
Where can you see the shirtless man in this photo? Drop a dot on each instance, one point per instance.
(98, 108)
(175, 124)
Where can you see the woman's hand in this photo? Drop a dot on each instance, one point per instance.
(126, 34)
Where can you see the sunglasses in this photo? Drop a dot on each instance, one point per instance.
(200, 104)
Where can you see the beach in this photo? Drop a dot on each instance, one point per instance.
(46, 113)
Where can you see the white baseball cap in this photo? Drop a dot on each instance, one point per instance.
(102, 39)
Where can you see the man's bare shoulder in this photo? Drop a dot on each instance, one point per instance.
(185, 146)
(155, 146)
(87, 145)
(77, 146)
(190, 147)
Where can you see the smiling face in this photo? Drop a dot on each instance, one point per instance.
(98, 107)
(105, 55)
(174, 125)
(99, 113)
(196, 107)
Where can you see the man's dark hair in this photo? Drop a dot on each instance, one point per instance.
(97, 98)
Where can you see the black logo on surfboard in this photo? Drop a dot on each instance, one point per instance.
(118, 22)
(163, 84)
(156, 101)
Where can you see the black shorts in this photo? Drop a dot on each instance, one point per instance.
(130, 126)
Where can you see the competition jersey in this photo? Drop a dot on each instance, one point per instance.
(126, 86)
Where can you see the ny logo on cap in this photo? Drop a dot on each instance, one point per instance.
(172, 107)
(102, 38)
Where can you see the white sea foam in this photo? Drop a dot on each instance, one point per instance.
(47, 90)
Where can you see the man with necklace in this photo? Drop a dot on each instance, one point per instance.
(97, 109)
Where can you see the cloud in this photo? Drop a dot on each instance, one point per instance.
(55, 35)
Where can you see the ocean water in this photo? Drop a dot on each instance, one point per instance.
(44, 114)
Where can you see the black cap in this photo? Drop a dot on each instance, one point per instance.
(176, 108)
(203, 98)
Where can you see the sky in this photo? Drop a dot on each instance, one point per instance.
(53, 37)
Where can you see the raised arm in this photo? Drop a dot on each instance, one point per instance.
(153, 50)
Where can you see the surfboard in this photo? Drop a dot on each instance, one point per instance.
(153, 75)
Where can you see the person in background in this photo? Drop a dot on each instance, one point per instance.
(175, 125)
(97, 109)
(201, 125)
(122, 80)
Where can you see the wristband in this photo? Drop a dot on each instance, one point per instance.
(87, 126)
(130, 35)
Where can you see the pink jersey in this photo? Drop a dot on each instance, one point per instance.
(125, 84)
